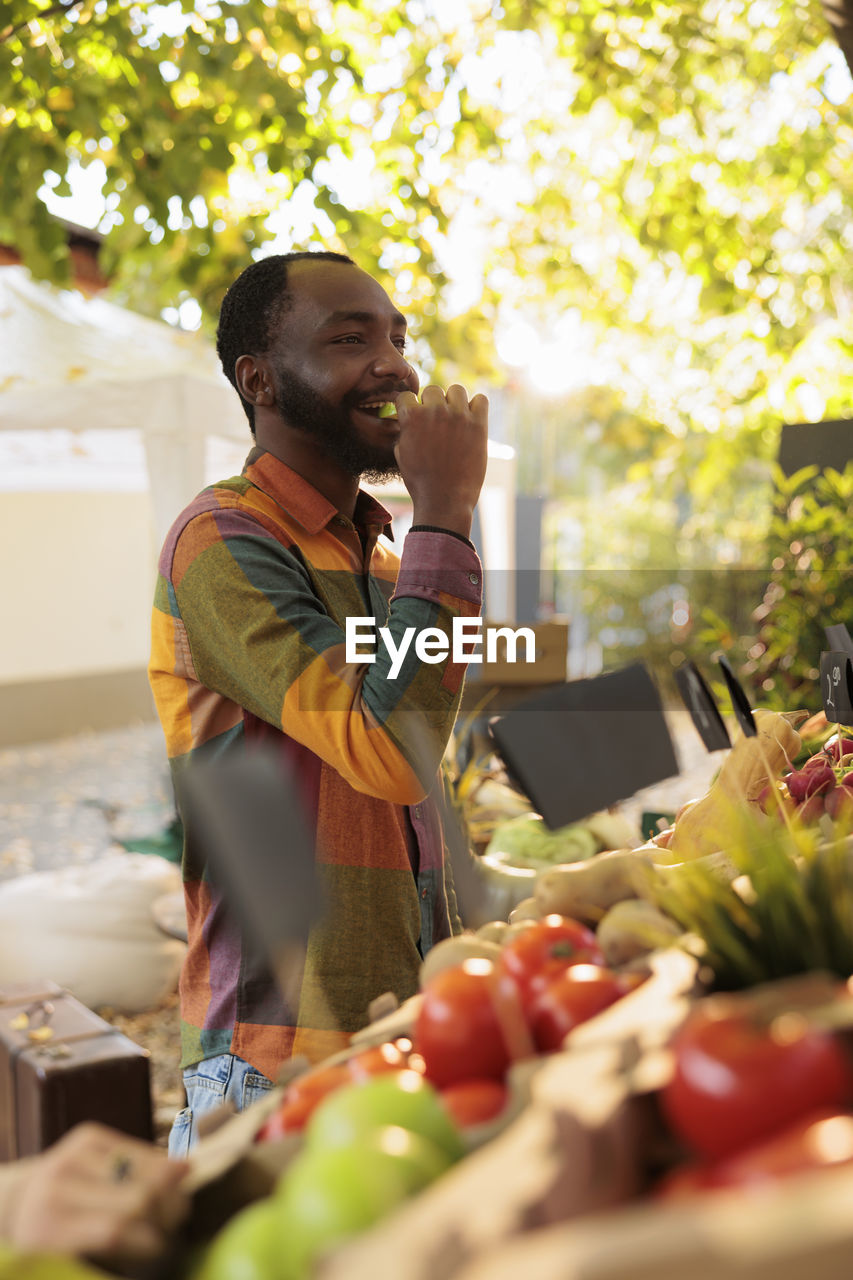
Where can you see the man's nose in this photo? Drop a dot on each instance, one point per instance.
(392, 363)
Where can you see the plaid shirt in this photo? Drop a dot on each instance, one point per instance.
(257, 577)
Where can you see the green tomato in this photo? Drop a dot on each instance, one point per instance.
(330, 1194)
(402, 1098)
(250, 1247)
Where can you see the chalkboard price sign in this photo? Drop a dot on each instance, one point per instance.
(587, 744)
(839, 638)
(703, 709)
(836, 686)
(740, 702)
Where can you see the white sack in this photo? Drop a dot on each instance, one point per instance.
(91, 929)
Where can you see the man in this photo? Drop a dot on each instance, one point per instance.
(257, 578)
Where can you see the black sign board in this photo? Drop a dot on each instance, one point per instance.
(246, 814)
(702, 707)
(836, 686)
(820, 444)
(839, 638)
(740, 702)
(587, 744)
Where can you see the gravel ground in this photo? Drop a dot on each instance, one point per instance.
(75, 799)
(72, 801)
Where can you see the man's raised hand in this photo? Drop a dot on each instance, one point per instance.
(442, 454)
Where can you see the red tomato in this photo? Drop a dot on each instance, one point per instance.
(470, 1024)
(474, 1101)
(578, 993)
(820, 1140)
(300, 1098)
(378, 1059)
(291, 1117)
(737, 1080)
(546, 950)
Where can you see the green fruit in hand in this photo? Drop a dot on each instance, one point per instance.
(402, 1098)
(250, 1247)
(329, 1194)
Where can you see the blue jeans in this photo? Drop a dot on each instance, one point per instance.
(208, 1084)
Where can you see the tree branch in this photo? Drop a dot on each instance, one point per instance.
(839, 14)
(13, 28)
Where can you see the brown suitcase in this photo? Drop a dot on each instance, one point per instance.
(59, 1064)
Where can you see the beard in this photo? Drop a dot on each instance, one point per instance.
(329, 425)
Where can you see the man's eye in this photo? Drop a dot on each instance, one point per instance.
(349, 338)
(400, 344)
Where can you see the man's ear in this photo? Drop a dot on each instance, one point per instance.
(254, 380)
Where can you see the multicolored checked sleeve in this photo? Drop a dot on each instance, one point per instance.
(257, 579)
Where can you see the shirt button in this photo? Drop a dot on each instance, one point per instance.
(474, 578)
(424, 893)
(417, 812)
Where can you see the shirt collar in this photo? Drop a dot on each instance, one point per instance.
(295, 495)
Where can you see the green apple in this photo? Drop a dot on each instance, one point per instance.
(249, 1247)
(329, 1194)
(43, 1266)
(402, 1098)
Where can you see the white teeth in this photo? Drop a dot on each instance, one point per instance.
(387, 409)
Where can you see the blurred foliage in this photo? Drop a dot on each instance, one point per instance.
(645, 583)
(651, 165)
(659, 195)
(809, 586)
(208, 118)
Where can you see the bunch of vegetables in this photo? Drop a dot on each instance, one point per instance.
(755, 889)
(756, 884)
(483, 1007)
(822, 786)
(371, 1128)
(787, 910)
(527, 841)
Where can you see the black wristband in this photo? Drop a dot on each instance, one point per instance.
(434, 528)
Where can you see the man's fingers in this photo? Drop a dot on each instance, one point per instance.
(405, 402)
(457, 397)
(480, 408)
(432, 395)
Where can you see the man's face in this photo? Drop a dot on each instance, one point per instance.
(337, 360)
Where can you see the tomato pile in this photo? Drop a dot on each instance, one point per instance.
(479, 1017)
(475, 1020)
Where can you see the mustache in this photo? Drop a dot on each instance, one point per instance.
(353, 399)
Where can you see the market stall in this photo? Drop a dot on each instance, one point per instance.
(648, 1065)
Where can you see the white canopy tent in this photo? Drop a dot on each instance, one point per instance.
(68, 362)
(78, 364)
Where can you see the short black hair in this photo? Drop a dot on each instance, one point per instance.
(252, 308)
